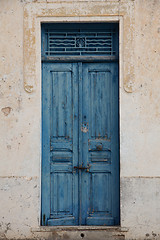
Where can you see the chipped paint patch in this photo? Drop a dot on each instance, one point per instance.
(84, 128)
(28, 88)
(6, 110)
(129, 83)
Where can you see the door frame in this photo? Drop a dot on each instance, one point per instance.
(103, 19)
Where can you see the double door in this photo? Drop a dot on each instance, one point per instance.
(80, 144)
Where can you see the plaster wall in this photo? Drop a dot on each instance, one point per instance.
(20, 109)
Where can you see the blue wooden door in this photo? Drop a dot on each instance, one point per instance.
(60, 144)
(99, 144)
(80, 141)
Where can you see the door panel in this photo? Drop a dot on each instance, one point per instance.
(99, 100)
(99, 144)
(62, 101)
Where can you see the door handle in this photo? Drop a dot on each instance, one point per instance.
(82, 168)
(99, 147)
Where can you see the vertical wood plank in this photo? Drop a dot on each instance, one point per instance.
(45, 183)
(80, 143)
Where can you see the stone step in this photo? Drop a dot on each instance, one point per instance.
(79, 233)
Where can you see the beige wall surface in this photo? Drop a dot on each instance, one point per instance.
(20, 109)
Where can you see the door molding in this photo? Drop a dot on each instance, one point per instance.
(106, 211)
(80, 59)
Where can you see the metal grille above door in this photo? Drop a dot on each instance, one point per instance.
(79, 40)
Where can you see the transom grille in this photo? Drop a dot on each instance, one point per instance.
(79, 42)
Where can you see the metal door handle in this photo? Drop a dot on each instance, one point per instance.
(99, 147)
(82, 168)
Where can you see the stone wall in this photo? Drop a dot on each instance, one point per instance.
(20, 109)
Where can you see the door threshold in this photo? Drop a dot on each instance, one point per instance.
(79, 228)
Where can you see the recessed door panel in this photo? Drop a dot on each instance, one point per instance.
(62, 102)
(99, 82)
